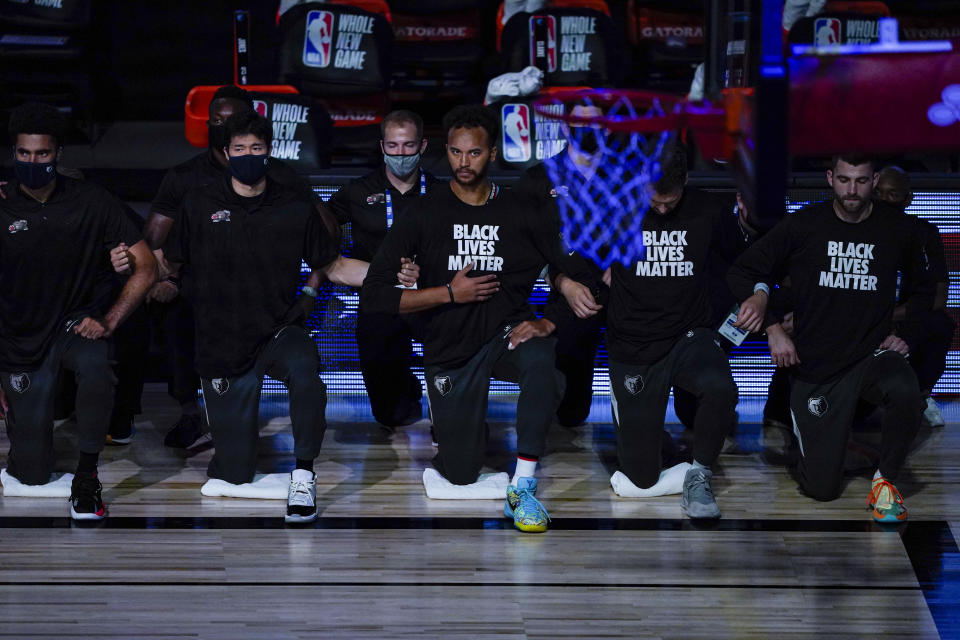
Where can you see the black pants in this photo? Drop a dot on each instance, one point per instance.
(233, 405)
(823, 416)
(685, 402)
(577, 343)
(640, 394)
(176, 322)
(30, 395)
(929, 337)
(132, 350)
(385, 351)
(777, 406)
(458, 403)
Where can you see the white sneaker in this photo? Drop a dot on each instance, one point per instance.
(302, 497)
(931, 415)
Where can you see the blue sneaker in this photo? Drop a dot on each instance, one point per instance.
(527, 512)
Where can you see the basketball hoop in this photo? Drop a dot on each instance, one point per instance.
(603, 189)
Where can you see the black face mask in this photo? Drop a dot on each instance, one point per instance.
(216, 136)
(586, 138)
(35, 175)
(249, 169)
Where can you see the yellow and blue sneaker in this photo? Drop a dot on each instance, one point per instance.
(886, 502)
(527, 512)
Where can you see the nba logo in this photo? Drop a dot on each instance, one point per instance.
(543, 43)
(826, 32)
(318, 39)
(260, 107)
(515, 122)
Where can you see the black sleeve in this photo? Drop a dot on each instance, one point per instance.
(916, 269)
(118, 228)
(176, 249)
(933, 248)
(544, 230)
(379, 293)
(764, 261)
(319, 247)
(339, 203)
(170, 196)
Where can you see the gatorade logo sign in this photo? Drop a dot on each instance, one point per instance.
(515, 123)
(543, 43)
(826, 32)
(321, 50)
(260, 107)
(318, 40)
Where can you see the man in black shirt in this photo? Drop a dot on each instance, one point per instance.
(929, 334)
(842, 257)
(176, 314)
(371, 205)
(580, 314)
(477, 326)
(56, 311)
(241, 241)
(660, 335)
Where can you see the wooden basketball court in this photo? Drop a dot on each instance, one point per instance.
(383, 561)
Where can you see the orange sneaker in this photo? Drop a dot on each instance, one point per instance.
(886, 502)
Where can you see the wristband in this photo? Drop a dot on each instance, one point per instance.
(450, 291)
(760, 286)
(309, 291)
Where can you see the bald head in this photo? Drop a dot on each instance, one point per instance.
(893, 186)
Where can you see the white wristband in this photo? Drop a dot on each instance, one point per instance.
(309, 291)
(760, 286)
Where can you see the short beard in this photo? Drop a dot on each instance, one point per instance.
(860, 205)
(477, 179)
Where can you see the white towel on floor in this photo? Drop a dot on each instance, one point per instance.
(670, 482)
(489, 486)
(58, 487)
(270, 486)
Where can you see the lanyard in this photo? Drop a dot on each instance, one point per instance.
(389, 199)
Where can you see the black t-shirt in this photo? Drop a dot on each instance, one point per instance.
(242, 260)
(363, 204)
(55, 264)
(843, 279)
(203, 170)
(503, 237)
(658, 299)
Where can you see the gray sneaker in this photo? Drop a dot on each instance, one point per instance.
(697, 501)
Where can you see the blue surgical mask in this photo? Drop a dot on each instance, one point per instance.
(249, 169)
(35, 175)
(401, 166)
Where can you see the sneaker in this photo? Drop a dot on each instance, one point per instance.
(527, 512)
(697, 500)
(886, 502)
(185, 432)
(121, 433)
(85, 500)
(931, 414)
(302, 497)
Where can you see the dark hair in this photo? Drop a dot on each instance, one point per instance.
(469, 116)
(854, 160)
(402, 116)
(37, 118)
(240, 124)
(235, 93)
(673, 167)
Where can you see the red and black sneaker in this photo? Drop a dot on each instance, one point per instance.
(85, 500)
